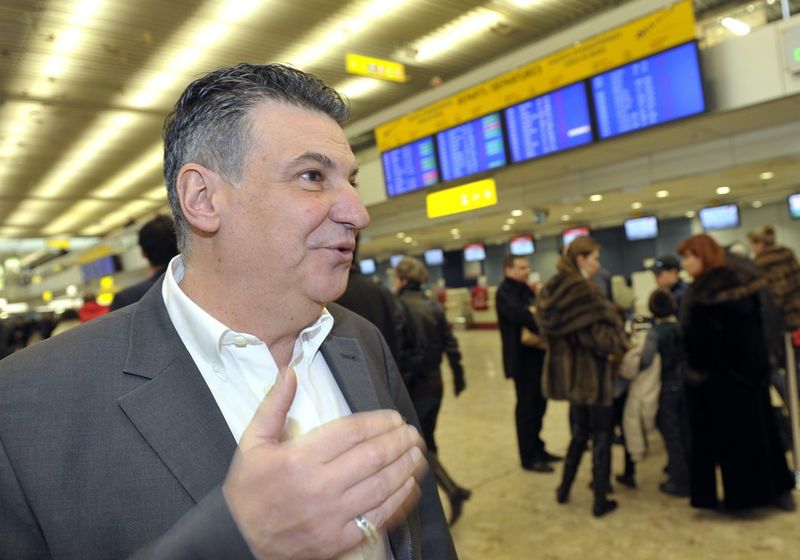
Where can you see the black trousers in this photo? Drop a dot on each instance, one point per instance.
(426, 395)
(529, 413)
(594, 422)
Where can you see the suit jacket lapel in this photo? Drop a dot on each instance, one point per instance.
(346, 361)
(349, 367)
(174, 411)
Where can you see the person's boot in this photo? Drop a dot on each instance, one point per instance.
(628, 478)
(573, 459)
(601, 469)
(456, 495)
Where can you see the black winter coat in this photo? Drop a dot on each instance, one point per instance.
(728, 373)
(377, 305)
(513, 301)
(429, 326)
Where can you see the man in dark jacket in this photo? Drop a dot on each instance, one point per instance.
(523, 363)
(158, 243)
(376, 304)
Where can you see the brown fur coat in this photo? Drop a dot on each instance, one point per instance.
(583, 329)
(782, 273)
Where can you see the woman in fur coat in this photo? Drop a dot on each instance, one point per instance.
(782, 271)
(727, 378)
(583, 330)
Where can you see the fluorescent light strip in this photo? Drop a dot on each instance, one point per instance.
(208, 32)
(79, 213)
(210, 27)
(452, 35)
(68, 38)
(108, 129)
(358, 87)
(120, 217)
(147, 164)
(324, 37)
(159, 193)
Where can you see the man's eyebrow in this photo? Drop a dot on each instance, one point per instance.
(321, 159)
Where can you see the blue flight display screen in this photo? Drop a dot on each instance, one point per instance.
(473, 147)
(410, 167)
(654, 90)
(725, 216)
(556, 121)
(641, 228)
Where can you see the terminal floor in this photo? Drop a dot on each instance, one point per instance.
(513, 513)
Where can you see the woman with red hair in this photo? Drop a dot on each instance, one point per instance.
(727, 376)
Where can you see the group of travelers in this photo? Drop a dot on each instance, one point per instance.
(701, 373)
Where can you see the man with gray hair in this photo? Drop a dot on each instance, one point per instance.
(147, 433)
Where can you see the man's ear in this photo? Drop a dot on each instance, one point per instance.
(198, 191)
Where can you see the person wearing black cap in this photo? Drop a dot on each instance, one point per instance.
(666, 270)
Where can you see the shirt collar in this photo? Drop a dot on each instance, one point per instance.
(197, 328)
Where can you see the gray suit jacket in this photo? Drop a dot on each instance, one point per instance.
(111, 444)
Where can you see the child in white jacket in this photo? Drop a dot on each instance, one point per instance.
(641, 407)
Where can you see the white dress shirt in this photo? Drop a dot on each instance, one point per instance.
(239, 370)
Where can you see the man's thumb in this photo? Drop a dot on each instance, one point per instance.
(270, 417)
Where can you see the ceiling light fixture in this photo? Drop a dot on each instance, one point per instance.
(516, 213)
(511, 221)
(690, 214)
(723, 190)
(400, 235)
(636, 205)
(454, 231)
(736, 26)
(596, 197)
(565, 218)
(757, 204)
(766, 175)
(506, 227)
(407, 239)
(578, 209)
(662, 194)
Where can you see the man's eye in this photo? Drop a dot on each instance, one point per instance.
(311, 175)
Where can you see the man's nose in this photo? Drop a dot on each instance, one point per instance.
(349, 209)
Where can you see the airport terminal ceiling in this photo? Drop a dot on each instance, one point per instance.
(86, 84)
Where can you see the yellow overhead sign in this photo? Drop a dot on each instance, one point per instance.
(471, 196)
(58, 243)
(652, 33)
(93, 254)
(375, 68)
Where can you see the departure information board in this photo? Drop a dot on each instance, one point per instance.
(556, 121)
(473, 147)
(410, 167)
(654, 90)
